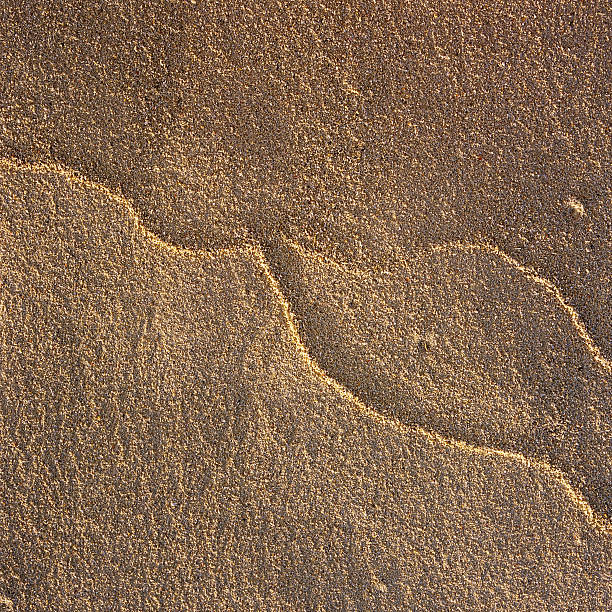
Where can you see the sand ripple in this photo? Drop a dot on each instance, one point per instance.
(365, 351)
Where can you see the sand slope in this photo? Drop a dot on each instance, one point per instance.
(166, 443)
(461, 340)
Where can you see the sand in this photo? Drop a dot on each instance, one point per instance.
(305, 306)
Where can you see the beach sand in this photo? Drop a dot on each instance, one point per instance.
(305, 306)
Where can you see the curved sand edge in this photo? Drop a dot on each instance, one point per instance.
(254, 250)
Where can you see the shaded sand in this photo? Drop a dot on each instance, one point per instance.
(167, 444)
(364, 133)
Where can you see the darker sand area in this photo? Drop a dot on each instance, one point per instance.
(305, 306)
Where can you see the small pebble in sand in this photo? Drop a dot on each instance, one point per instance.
(575, 206)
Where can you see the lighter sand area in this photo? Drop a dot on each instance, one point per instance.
(134, 359)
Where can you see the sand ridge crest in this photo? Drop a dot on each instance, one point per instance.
(255, 251)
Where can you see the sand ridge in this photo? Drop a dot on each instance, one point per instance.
(398, 339)
(599, 521)
(254, 251)
(436, 122)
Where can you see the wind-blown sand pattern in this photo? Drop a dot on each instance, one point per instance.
(151, 327)
(368, 132)
(447, 342)
(305, 306)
